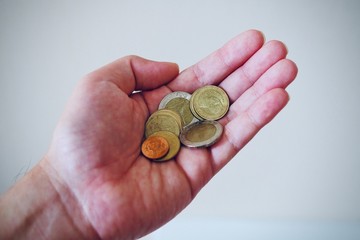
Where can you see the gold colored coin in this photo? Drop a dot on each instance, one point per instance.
(182, 106)
(210, 102)
(173, 114)
(201, 134)
(155, 147)
(174, 144)
(192, 109)
(170, 113)
(163, 120)
(179, 102)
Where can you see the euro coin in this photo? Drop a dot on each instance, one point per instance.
(210, 102)
(201, 134)
(155, 147)
(193, 110)
(174, 144)
(171, 113)
(163, 120)
(179, 102)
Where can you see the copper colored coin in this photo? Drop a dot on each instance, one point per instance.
(155, 147)
(174, 144)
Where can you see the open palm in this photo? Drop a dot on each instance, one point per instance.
(95, 153)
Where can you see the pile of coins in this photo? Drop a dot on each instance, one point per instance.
(189, 119)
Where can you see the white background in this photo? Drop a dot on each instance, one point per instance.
(303, 168)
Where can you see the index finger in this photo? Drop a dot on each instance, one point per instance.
(219, 64)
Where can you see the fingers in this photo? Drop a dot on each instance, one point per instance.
(135, 73)
(245, 76)
(241, 129)
(280, 75)
(219, 64)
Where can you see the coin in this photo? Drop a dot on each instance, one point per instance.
(192, 108)
(172, 113)
(174, 144)
(210, 102)
(179, 102)
(201, 134)
(163, 120)
(155, 147)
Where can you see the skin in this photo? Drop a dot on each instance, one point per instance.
(93, 182)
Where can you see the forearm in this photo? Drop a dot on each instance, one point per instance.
(34, 209)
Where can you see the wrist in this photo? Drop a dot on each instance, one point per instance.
(39, 206)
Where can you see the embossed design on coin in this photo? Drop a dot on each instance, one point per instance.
(174, 145)
(201, 134)
(155, 147)
(163, 120)
(179, 102)
(210, 102)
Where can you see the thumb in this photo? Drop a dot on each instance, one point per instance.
(135, 73)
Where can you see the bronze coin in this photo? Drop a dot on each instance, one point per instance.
(155, 147)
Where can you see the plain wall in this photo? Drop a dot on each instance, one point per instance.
(303, 166)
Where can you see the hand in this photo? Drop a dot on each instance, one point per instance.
(106, 187)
